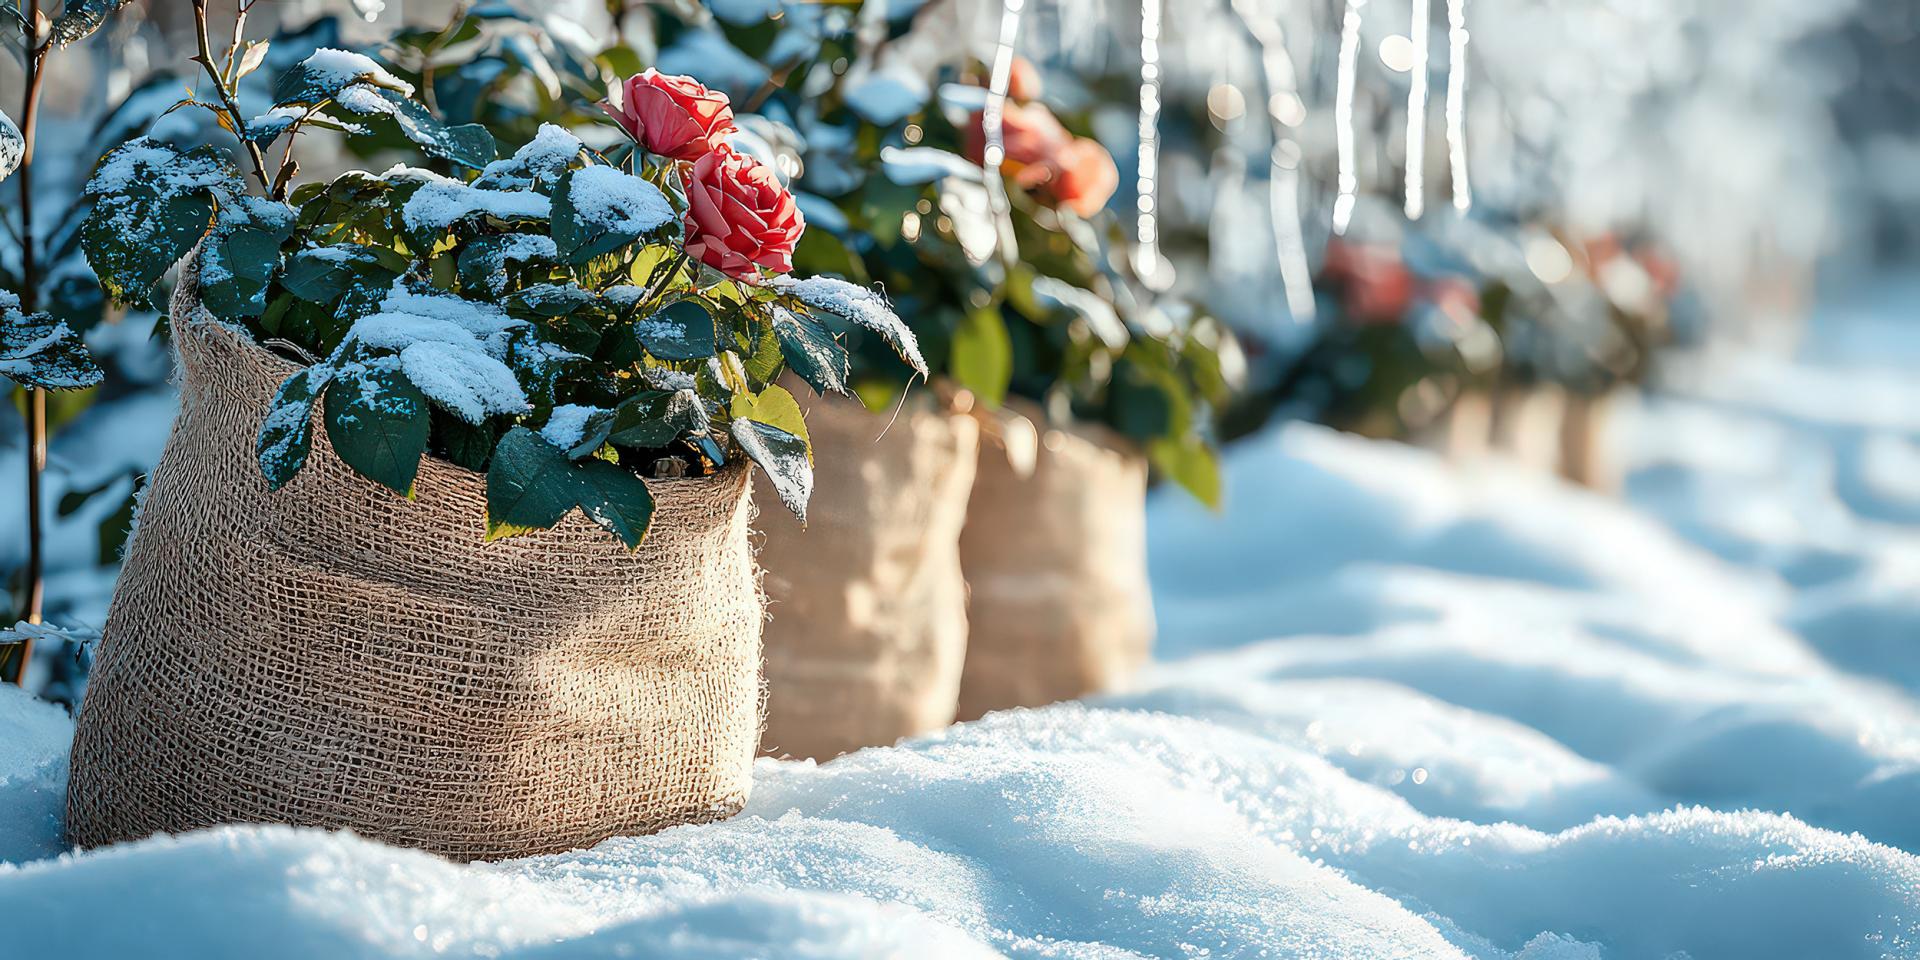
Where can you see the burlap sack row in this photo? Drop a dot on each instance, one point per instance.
(868, 605)
(1056, 562)
(334, 655)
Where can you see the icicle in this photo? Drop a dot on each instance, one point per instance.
(1146, 254)
(992, 125)
(1349, 182)
(1417, 111)
(1283, 181)
(1457, 103)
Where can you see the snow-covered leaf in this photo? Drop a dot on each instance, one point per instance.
(437, 206)
(324, 274)
(655, 418)
(811, 352)
(684, 330)
(242, 254)
(551, 299)
(600, 209)
(860, 306)
(286, 435)
(13, 147)
(377, 422)
(784, 456)
(327, 71)
(38, 351)
(152, 203)
(81, 18)
(542, 160)
(483, 261)
(467, 144)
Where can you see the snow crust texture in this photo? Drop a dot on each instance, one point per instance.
(1404, 709)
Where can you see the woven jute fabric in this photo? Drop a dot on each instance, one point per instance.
(1057, 565)
(869, 608)
(334, 655)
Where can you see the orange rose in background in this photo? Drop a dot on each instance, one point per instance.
(739, 217)
(1023, 82)
(1068, 171)
(670, 116)
(1084, 177)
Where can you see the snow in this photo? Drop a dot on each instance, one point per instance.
(453, 349)
(1404, 708)
(438, 206)
(568, 424)
(544, 157)
(614, 200)
(860, 305)
(333, 69)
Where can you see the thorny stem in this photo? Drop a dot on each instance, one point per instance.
(226, 96)
(36, 78)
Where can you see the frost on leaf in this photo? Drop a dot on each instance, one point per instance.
(377, 422)
(328, 71)
(859, 306)
(242, 254)
(599, 209)
(812, 352)
(286, 435)
(38, 351)
(152, 203)
(784, 457)
(542, 160)
(567, 427)
(81, 18)
(483, 262)
(12, 146)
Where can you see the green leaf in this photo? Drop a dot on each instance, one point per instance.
(81, 18)
(654, 418)
(39, 351)
(286, 435)
(684, 330)
(529, 485)
(982, 356)
(761, 348)
(322, 274)
(377, 421)
(598, 210)
(152, 204)
(468, 144)
(464, 444)
(611, 496)
(551, 299)
(811, 352)
(242, 256)
(785, 457)
(1192, 464)
(860, 306)
(13, 146)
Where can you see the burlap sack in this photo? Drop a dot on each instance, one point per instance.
(869, 609)
(1057, 566)
(334, 655)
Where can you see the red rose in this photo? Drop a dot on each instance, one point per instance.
(1084, 177)
(670, 116)
(1375, 286)
(739, 216)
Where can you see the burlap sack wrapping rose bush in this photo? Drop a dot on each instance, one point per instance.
(868, 606)
(333, 655)
(1056, 563)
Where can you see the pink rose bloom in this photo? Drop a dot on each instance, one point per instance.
(739, 217)
(1084, 177)
(670, 116)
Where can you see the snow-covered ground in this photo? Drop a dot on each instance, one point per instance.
(1403, 709)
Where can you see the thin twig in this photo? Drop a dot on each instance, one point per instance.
(36, 78)
(226, 96)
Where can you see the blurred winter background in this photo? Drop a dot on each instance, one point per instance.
(1594, 630)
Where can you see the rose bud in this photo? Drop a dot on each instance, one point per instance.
(739, 217)
(670, 116)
